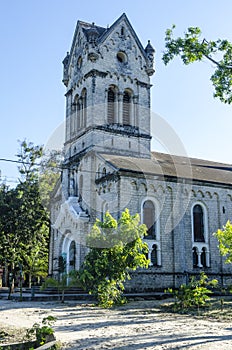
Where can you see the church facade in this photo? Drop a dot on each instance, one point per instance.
(109, 166)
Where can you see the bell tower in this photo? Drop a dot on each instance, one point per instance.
(107, 77)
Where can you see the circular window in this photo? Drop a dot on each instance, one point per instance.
(122, 57)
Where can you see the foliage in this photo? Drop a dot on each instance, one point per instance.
(194, 294)
(116, 248)
(193, 48)
(225, 241)
(42, 332)
(24, 222)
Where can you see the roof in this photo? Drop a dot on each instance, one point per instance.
(105, 32)
(172, 166)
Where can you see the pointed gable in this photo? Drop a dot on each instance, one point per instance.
(123, 20)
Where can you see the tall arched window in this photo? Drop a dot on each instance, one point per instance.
(198, 224)
(78, 116)
(72, 255)
(154, 259)
(126, 117)
(195, 257)
(84, 107)
(77, 112)
(111, 107)
(203, 257)
(149, 219)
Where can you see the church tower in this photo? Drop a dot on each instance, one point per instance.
(107, 76)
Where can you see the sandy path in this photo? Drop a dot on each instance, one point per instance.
(138, 325)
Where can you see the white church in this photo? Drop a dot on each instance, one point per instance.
(109, 166)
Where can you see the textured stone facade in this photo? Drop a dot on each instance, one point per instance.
(109, 166)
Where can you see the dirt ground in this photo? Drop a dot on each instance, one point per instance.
(136, 325)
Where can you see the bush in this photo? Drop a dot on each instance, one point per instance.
(193, 295)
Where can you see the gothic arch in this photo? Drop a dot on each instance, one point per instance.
(105, 48)
(160, 190)
(199, 192)
(193, 192)
(72, 256)
(134, 185)
(151, 206)
(199, 217)
(150, 217)
(216, 195)
(208, 194)
(200, 235)
(143, 187)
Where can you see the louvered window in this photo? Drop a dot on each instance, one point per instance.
(126, 108)
(111, 106)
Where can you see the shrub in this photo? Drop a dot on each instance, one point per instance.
(193, 295)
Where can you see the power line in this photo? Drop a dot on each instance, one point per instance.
(61, 167)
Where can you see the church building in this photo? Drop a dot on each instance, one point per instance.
(109, 166)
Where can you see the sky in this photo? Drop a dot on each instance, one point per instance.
(36, 34)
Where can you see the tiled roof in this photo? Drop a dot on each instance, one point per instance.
(166, 165)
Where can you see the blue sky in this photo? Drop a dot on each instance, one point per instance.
(36, 34)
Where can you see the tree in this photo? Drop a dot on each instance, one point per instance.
(193, 48)
(10, 235)
(116, 248)
(34, 218)
(225, 241)
(24, 222)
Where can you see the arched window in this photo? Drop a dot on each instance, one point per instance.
(203, 257)
(195, 257)
(104, 172)
(72, 255)
(198, 224)
(77, 111)
(126, 108)
(111, 107)
(154, 259)
(149, 219)
(84, 107)
(105, 208)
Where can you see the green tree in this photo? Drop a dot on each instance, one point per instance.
(33, 217)
(24, 222)
(10, 235)
(116, 248)
(192, 47)
(224, 237)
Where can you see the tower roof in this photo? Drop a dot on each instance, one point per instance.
(102, 33)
